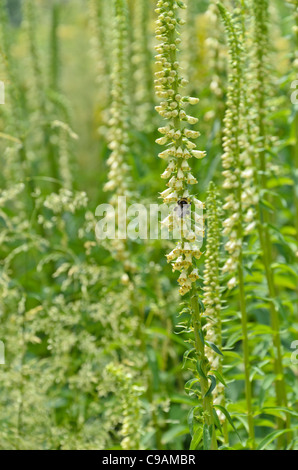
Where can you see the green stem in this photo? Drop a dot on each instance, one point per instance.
(200, 350)
(41, 95)
(266, 247)
(54, 47)
(139, 313)
(248, 385)
(244, 323)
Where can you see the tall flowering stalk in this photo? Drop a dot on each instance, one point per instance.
(129, 393)
(212, 296)
(54, 69)
(17, 107)
(294, 5)
(216, 56)
(119, 184)
(180, 148)
(142, 60)
(260, 87)
(101, 37)
(295, 123)
(63, 151)
(118, 176)
(238, 200)
(41, 97)
(190, 49)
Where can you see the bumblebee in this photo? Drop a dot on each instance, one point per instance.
(183, 207)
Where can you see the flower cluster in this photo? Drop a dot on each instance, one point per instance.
(129, 394)
(100, 36)
(211, 272)
(178, 138)
(215, 50)
(119, 120)
(191, 48)
(144, 95)
(231, 159)
(212, 295)
(236, 160)
(118, 176)
(66, 201)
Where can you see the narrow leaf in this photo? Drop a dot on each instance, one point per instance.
(227, 415)
(197, 437)
(212, 386)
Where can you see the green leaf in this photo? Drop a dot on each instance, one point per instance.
(278, 182)
(206, 437)
(190, 383)
(197, 437)
(162, 332)
(200, 371)
(190, 420)
(234, 338)
(212, 386)
(214, 347)
(216, 420)
(173, 433)
(271, 437)
(183, 399)
(219, 377)
(284, 268)
(267, 206)
(201, 335)
(185, 356)
(227, 415)
(276, 409)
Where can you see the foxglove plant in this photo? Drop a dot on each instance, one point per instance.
(118, 176)
(212, 288)
(16, 112)
(216, 53)
(129, 393)
(294, 3)
(180, 147)
(191, 47)
(178, 138)
(238, 201)
(142, 61)
(100, 41)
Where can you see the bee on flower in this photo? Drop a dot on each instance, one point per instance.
(178, 138)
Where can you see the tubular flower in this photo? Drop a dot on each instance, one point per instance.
(180, 148)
